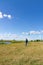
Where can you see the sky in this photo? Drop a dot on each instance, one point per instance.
(21, 19)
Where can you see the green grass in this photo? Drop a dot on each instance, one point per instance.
(19, 54)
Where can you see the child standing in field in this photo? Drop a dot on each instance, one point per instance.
(26, 41)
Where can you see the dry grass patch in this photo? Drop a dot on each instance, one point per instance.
(19, 54)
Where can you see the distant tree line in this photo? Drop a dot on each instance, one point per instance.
(37, 40)
(11, 41)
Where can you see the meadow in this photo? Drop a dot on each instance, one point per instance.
(19, 54)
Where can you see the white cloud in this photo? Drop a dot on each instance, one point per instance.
(23, 36)
(11, 36)
(31, 32)
(42, 31)
(5, 16)
(9, 16)
(8, 36)
(23, 33)
(1, 16)
(27, 33)
(34, 32)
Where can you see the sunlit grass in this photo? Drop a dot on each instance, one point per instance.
(19, 54)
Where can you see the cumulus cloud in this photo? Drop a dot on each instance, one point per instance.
(41, 31)
(5, 16)
(23, 36)
(23, 33)
(8, 36)
(9, 16)
(11, 36)
(32, 32)
(1, 16)
(35, 32)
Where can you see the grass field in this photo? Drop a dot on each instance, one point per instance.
(19, 54)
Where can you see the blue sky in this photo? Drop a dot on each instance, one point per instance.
(18, 17)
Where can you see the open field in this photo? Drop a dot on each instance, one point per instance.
(19, 54)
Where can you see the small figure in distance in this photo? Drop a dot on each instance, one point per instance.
(26, 41)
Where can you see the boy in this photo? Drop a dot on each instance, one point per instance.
(26, 41)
